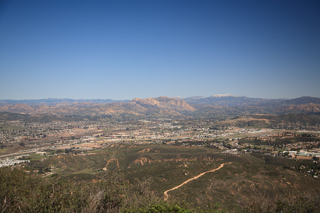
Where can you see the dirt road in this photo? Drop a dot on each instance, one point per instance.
(165, 194)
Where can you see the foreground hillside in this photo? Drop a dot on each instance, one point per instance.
(136, 176)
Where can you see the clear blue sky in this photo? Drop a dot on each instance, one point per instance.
(126, 49)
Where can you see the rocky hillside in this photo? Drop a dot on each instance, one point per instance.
(164, 103)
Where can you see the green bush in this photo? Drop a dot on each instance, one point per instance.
(160, 208)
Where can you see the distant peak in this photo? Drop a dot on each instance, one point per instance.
(164, 98)
(197, 97)
(136, 99)
(224, 95)
(178, 97)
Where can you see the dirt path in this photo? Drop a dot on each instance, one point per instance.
(166, 196)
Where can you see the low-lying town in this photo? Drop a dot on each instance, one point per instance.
(20, 139)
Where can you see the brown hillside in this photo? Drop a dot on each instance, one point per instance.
(164, 102)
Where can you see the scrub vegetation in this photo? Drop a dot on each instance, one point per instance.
(133, 178)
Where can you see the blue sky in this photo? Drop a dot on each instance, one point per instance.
(127, 49)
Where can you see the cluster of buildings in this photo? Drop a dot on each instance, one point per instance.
(11, 161)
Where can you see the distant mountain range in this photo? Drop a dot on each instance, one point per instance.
(213, 106)
(228, 100)
(54, 101)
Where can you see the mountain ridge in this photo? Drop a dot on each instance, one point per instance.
(167, 106)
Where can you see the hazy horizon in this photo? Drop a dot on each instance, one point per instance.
(179, 97)
(125, 49)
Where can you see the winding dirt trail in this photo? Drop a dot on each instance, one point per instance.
(165, 194)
